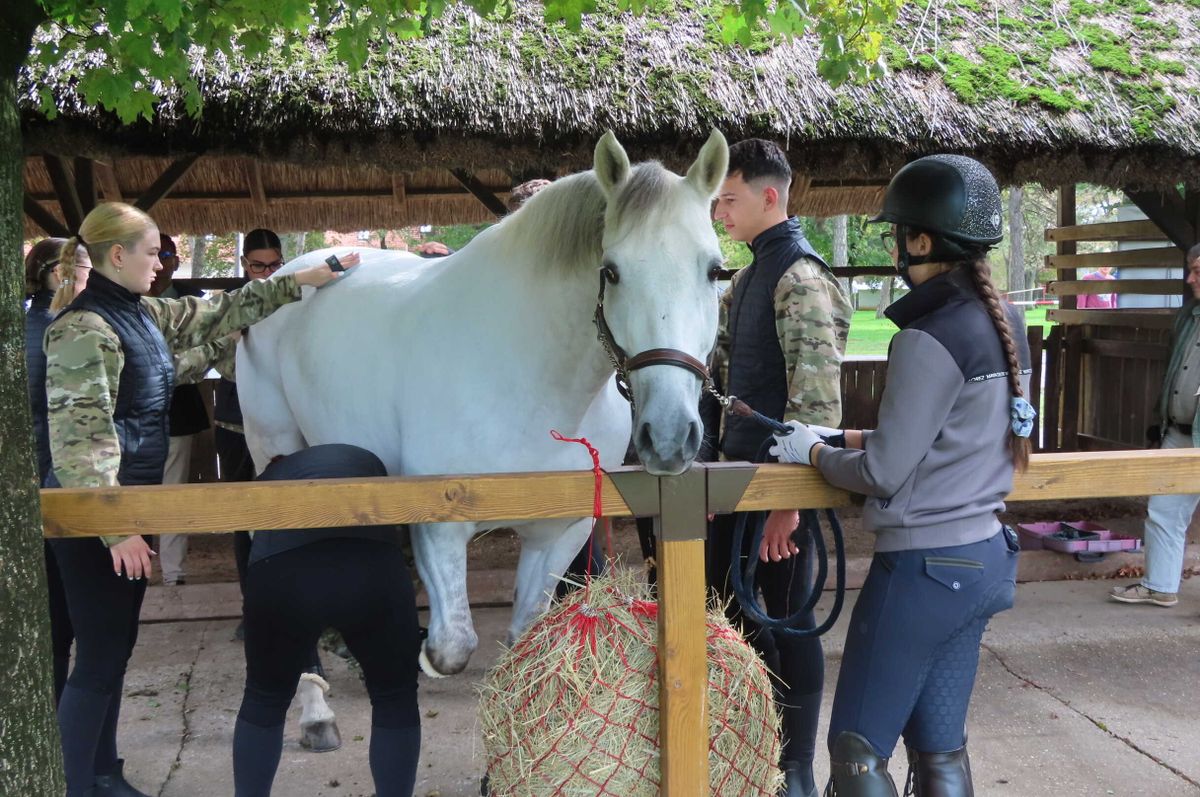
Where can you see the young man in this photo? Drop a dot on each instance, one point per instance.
(784, 338)
(1168, 516)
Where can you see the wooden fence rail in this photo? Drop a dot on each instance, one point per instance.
(680, 515)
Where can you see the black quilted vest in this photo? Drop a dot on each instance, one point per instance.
(757, 371)
(144, 390)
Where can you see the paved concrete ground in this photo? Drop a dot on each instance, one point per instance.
(1076, 696)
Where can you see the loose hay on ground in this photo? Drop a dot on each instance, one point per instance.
(572, 708)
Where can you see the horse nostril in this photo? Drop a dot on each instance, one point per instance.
(695, 433)
(644, 442)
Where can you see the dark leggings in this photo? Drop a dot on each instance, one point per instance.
(61, 632)
(362, 589)
(103, 609)
(798, 664)
(913, 645)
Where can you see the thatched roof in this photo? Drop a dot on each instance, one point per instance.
(1103, 91)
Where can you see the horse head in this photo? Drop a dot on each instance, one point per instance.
(658, 279)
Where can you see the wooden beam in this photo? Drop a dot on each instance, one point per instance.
(1143, 230)
(838, 271)
(480, 192)
(191, 508)
(1052, 398)
(1034, 336)
(107, 179)
(258, 194)
(1168, 211)
(399, 195)
(85, 184)
(1155, 257)
(1143, 319)
(1072, 401)
(165, 182)
(335, 194)
(1133, 349)
(1066, 218)
(45, 219)
(64, 190)
(1168, 287)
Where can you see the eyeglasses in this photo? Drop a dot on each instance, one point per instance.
(263, 268)
(889, 239)
(166, 255)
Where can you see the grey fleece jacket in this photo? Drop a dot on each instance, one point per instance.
(937, 468)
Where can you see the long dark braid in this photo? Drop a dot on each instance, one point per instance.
(982, 274)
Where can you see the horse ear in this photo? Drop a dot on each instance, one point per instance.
(707, 173)
(611, 163)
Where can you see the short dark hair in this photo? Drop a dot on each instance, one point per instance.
(261, 239)
(756, 157)
(1193, 254)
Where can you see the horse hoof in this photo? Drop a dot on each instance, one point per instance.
(320, 737)
(427, 665)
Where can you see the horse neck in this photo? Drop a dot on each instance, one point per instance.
(539, 320)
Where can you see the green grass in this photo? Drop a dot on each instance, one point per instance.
(870, 335)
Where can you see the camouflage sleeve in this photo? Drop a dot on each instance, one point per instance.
(83, 369)
(812, 319)
(193, 321)
(193, 364)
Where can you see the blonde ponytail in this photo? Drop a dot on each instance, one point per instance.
(981, 273)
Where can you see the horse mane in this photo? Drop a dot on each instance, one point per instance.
(564, 223)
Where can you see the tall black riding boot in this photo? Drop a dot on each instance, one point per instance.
(856, 770)
(940, 774)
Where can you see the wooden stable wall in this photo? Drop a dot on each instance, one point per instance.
(1104, 368)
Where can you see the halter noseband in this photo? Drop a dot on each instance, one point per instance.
(624, 364)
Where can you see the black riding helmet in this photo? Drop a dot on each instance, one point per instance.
(952, 197)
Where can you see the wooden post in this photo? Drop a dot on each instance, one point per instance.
(1066, 218)
(1034, 336)
(683, 731)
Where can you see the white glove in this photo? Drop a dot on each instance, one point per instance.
(824, 432)
(797, 446)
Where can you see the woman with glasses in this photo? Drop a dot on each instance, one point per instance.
(953, 427)
(109, 376)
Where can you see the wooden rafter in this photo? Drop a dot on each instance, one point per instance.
(45, 219)
(258, 193)
(85, 184)
(64, 190)
(106, 178)
(165, 182)
(1169, 211)
(480, 191)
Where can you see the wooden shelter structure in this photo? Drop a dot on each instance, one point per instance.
(439, 129)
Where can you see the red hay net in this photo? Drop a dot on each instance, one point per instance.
(572, 709)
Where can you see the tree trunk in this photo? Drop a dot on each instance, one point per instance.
(1016, 242)
(885, 295)
(30, 753)
(199, 244)
(841, 256)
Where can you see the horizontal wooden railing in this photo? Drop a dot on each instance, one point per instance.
(679, 507)
(210, 508)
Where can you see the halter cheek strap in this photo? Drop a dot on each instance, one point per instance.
(624, 364)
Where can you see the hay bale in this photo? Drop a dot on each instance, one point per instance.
(572, 709)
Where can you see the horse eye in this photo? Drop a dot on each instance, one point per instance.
(610, 274)
(714, 273)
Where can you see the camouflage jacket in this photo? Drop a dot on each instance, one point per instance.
(84, 362)
(812, 320)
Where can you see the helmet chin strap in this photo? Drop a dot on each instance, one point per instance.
(903, 258)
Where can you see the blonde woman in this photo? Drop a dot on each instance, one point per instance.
(72, 278)
(109, 377)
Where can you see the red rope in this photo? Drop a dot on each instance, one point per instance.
(597, 498)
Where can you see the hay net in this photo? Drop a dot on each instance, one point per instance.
(572, 708)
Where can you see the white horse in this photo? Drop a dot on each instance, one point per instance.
(464, 364)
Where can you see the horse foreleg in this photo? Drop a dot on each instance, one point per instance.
(547, 548)
(318, 725)
(441, 553)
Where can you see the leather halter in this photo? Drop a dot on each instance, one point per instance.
(624, 364)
